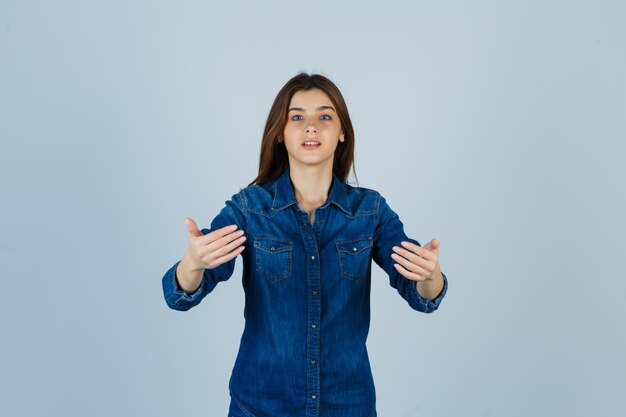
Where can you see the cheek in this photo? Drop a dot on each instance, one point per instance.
(289, 132)
(288, 137)
(291, 140)
(334, 131)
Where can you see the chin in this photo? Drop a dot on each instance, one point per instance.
(316, 160)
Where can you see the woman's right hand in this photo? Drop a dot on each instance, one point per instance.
(211, 250)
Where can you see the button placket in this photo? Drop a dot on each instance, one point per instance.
(314, 293)
(311, 236)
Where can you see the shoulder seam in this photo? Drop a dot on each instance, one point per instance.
(244, 199)
(378, 207)
(244, 204)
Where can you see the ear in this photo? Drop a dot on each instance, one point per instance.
(342, 136)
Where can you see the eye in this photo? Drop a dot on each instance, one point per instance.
(297, 115)
(325, 115)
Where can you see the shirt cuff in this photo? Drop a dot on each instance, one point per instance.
(179, 294)
(432, 305)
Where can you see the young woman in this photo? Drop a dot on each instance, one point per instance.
(307, 240)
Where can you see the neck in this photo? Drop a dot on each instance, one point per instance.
(311, 185)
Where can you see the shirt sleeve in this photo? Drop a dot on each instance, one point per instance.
(389, 232)
(176, 298)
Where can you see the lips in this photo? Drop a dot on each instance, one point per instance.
(311, 140)
(311, 147)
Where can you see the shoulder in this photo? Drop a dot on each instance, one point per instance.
(258, 198)
(370, 200)
(362, 200)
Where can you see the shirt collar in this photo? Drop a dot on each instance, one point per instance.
(284, 196)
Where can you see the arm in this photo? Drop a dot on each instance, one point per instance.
(429, 289)
(389, 232)
(179, 299)
(190, 278)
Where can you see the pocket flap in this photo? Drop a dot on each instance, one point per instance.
(272, 244)
(354, 245)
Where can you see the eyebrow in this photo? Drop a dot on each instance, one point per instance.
(318, 109)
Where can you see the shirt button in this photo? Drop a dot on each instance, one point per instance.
(314, 396)
(314, 292)
(312, 362)
(314, 326)
(354, 249)
(312, 257)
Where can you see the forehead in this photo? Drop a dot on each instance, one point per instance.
(310, 98)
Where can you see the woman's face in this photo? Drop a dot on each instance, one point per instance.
(312, 117)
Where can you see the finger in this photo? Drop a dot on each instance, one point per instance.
(408, 274)
(418, 259)
(406, 254)
(421, 251)
(221, 247)
(230, 255)
(408, 265)
(410, 245)
(192, 227)
(414, 258)
(226, 240)
(407, 259)
(219, 234)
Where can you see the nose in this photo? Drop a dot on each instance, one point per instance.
(311, 128)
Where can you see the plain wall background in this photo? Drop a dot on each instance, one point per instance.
(496, 127)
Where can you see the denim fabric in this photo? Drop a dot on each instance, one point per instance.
(307, 298)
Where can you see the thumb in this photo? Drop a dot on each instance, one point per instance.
(192, 227)
(432, 245)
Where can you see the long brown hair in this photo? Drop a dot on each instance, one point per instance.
(274, 159)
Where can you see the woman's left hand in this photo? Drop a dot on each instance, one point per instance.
(417, 263)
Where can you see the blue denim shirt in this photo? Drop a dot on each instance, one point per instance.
(307, 298)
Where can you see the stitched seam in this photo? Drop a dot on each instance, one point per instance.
(343, 253)
(241, 407)
(244, 204)
(264, 214)
(262, 255)
(266, 273)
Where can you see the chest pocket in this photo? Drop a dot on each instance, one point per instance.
(354, 257)
(273, 257)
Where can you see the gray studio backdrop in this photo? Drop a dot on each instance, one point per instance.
(505, 121)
